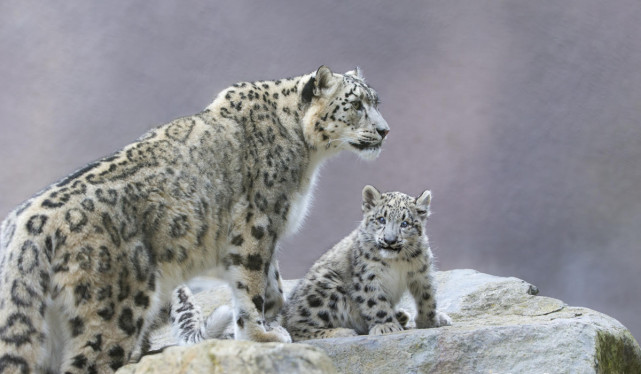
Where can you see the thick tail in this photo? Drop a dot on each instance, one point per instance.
(217, 323)
(189, 326)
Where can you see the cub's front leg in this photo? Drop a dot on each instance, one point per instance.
(248, 265)
(374, 306)
(424, 293)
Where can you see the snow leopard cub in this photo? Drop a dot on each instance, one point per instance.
(354, 287)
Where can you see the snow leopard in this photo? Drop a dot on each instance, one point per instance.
(354, 288)
(88, 264)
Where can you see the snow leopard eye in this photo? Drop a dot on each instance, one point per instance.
(357, 105)
(404, 224)
(381, 220)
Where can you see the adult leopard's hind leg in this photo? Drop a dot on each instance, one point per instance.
(24, 293)
(23, 338)
(101, 337)
(109, 305)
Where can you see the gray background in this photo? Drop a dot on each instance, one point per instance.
(523, 118)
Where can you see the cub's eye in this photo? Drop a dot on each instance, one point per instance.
(381, 220)
(404, 224)
(357, 105)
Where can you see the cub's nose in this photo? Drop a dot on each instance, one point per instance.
(382, 133)
(390, 240)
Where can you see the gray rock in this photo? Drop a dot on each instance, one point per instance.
(499, 326)
(229, 356)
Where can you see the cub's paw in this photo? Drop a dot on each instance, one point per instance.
(385, 328)
(439, 319)
(403, 317)
(442, 319)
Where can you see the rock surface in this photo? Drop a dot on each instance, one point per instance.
(499, 326)
(230, 356)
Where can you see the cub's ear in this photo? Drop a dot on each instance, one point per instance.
(318, 84)
(358, 73)
(423, 204)
(370, 197)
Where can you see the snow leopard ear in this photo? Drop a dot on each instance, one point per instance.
(358, 73)
(318, 84)
(324, 80)
(370, 197)
(423, 204)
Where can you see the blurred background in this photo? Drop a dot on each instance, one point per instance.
(523, 118)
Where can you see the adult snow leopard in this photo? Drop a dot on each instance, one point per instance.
(87, 264)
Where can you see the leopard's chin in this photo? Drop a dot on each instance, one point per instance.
(390, 249)
(366, 150)
(388, 252)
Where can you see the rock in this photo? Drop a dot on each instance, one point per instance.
(229, 356)
(500, 325)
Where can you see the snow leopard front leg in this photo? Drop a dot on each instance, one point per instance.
(274, 298)
(248, 265)
(421, 286)
(374, 306)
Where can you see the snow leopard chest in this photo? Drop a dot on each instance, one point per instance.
(394, 281)
(300, 204)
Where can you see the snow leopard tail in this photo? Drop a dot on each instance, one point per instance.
(187, 323)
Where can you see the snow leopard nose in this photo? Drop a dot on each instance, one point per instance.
(390, 239)
(382, 133)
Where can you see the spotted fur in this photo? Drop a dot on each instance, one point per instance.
(355, 287)
(188, 324)
(87, 265)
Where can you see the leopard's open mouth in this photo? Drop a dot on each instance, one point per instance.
(363, 146)
(390, 248)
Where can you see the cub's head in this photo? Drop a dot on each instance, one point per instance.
(342, 113)
(394, 222)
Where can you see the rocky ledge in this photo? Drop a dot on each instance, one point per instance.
(500, 325)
